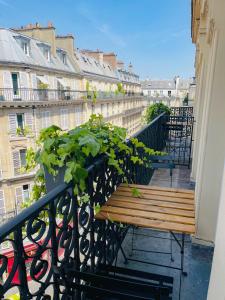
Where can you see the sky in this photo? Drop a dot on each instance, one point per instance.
(154, 35)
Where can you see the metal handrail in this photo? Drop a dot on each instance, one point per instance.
(27, 94)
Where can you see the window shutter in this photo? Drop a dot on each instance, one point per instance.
(1, 171)
(45, 119)
(16, 162)
(64, 118)
(12, 124)
(78, 115)
(34, 81)
(7, 80)
(2, 202)
(24, 80)
(29, 120)
(19, 197)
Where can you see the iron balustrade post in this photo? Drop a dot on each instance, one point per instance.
(54, 250)
(20, 258)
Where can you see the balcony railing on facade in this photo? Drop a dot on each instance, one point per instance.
(30, 95)
(56, 233)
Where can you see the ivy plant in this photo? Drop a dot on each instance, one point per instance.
(75, 149)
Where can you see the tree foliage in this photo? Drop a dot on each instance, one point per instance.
(155, 110)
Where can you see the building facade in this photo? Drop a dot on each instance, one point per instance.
(208, 168)
(44, 80)
(170, 92)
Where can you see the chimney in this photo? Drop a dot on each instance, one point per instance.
(44, 34)
(66, 42)
(98, 55)
(177, 82)
(120, 65)
(110, 58)
(130, 68)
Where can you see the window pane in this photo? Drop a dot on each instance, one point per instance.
(23, 157)
(26, 193)
(20, 120)
(15, 83)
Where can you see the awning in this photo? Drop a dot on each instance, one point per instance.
(43, 79)
(62, 82)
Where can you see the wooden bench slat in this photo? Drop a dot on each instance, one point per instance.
(147, 223)
(151, 208)
(154, 202)
(154, 197)
(158, 188)
(148, 215)
(175, 195)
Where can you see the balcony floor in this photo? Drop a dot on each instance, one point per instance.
(198, 259)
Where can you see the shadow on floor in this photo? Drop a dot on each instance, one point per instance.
(197, 261)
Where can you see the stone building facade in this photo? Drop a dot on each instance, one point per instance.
(43, 81)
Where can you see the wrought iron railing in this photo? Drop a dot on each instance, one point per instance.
(54, 234)
(182, 111)
(26, 94)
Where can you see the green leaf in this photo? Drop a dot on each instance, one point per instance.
(85, 198)
(92, 145)
(136, 193)
(97, 208)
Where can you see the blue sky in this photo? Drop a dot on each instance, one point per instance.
(152, 34)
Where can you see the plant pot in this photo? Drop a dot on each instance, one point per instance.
(52, 182)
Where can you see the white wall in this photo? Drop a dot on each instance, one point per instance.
(211, 136)
(216, 286)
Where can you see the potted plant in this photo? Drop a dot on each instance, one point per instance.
(64, 156)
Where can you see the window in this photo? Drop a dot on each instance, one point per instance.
(161, 93)
(78, 115)
(64, 118)
(46, 52)
(169, 93)
(45, 119)
(149, 93)
(23, 157)
(22, 194)
(64, 58)
(19, 160)
(15, 82)
(20, 121)
(25, 47)
(26, 192)
(84, 59)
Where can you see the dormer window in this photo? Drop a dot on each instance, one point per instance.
(24, 43)
(26, 48)
(46, 50)
(64, 58)
(47, 54)
(84, 59)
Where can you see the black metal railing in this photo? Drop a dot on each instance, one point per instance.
(182, 111)
(26, 94)
(53, 234)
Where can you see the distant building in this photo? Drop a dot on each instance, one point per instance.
(171, 92)
(43, 81)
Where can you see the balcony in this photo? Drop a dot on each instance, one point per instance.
(56, 247)
(42, 95)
